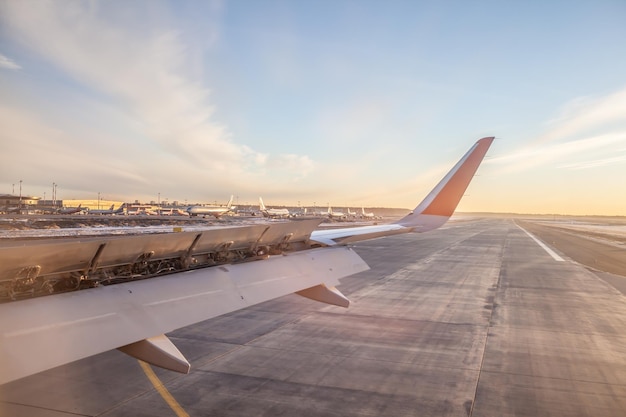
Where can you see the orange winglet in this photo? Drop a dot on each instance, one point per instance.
(444, 198)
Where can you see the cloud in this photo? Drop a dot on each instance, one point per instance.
(8, 63)
(349, 123)
(584, 135)
(584, 115)
(595, 163)
(546, 154)
(151, 73)
(38, 154)
(299, 166)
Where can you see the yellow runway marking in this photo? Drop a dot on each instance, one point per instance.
(165, 394)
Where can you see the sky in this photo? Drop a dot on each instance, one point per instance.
(348, 103)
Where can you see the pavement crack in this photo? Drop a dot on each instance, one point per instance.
(494, 304)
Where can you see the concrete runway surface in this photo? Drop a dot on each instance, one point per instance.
(475, 319)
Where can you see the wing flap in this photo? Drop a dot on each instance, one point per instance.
(87, 322)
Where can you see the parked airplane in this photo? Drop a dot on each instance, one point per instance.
(110, 210)
(70, 210)
(134, 314)
(351, 213)
(366, 215)
(334, 214)
(16, 209)
(172, 212)
(273, 212)
(216, 211)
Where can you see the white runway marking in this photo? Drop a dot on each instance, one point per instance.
(547, 249)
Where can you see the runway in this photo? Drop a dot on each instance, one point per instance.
(474, 319)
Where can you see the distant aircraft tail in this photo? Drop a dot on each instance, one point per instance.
(441, 202)
(120, 209)
(261, 205)
(230, 202)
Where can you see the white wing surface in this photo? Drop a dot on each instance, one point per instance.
(431, 213)
(126, 292)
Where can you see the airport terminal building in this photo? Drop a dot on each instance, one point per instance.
(25, 204)
(10, 203)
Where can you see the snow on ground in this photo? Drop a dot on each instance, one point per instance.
(100, 226)
(49, 227)
(605, 229)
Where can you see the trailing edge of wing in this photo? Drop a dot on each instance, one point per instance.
(430, 214)
(84, 323)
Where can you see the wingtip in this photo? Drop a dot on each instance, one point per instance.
(444, 198)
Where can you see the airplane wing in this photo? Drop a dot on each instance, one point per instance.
(126, 292)
(430, 214)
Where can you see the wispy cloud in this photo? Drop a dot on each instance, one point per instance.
(596, 163)
(584, 115)
(557, 153)
(584, 135)
(8, 63)
(150, 75)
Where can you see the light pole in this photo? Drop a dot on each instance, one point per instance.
(98, 200)
(19, 207)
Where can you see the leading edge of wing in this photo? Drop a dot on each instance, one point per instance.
(432, 212)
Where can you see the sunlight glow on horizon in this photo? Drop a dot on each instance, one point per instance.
(201, 101)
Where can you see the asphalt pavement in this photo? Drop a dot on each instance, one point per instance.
(475, 319)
